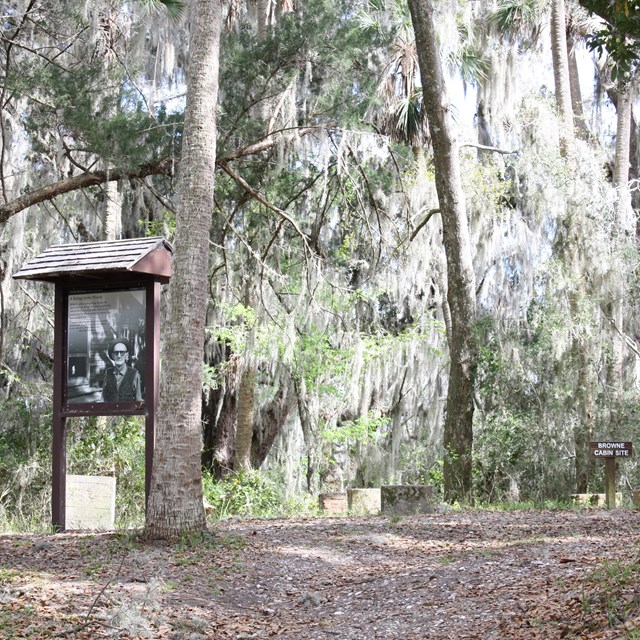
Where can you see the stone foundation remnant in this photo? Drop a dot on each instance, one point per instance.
(407, 500)
(332, 502)
(364, 500)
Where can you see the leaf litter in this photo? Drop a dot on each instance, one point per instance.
(530, 575)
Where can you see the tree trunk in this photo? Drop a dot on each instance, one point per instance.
(561, 74)
(458, 428)
(584, 431)
(244, 427)
(625, 217)
(113, 212)
(175, 502)
(262, 10)
(625, 227)
(580, 123)
(220, 414)
(308, 413)
(270, 423)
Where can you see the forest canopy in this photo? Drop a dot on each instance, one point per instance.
(327, 354)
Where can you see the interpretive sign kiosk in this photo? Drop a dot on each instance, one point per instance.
(610, 452)
(106, 338)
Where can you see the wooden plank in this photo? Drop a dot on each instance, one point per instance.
(610, 449)
(152, 381)
(146, 255)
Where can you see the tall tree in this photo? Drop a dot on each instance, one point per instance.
(619, 36)
(175, 501)
(458, 429)
(561, 73)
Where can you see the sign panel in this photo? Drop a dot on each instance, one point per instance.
(611, 449)
(106, 346)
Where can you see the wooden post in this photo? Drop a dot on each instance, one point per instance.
(153, 369)
(59, 439)
(610, 451)
(610, 482)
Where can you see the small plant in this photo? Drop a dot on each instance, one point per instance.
(7, 575)
(609, 593)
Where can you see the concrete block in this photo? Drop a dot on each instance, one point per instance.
(332, 502)
(90, 502)
(407, 500)
(364, 500)
(593, 499)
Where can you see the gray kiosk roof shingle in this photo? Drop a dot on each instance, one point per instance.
(150, 256)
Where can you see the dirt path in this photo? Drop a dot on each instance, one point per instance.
(470, 574)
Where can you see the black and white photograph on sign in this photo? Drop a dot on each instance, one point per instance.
(106, 346)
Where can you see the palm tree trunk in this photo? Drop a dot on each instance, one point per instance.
(113, 212)
(585, 429)
(561, 74)
(625, 225)
(622, 160)
(579, 120)
(175, 502)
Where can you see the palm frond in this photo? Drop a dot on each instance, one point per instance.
(469, 63)
(516, 19)
(174, 8)
(409, 119)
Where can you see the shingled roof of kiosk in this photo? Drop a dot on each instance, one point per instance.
(140, 256)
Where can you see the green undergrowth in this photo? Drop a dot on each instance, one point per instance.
(527, 505)
(253, 494)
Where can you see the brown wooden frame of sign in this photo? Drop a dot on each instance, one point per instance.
(62, 409)
(100, 268)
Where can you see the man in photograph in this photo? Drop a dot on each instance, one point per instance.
(122, 382)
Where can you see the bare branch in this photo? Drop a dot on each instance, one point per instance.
(428, 217)
(162, 167)
(89, 179)
(483, 147)
(260, 198)
(270, 141)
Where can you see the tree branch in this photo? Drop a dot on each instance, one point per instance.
(260, 198)
(89, 179)
(416, 231)
(271, 140)
(483, 147)
(162, 167)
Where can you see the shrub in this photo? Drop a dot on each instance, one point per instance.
(251, 493)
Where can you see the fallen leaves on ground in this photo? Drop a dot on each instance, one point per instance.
(530, 575)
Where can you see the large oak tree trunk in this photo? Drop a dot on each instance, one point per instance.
(458, 429)
(175, 502)
(220, 414)
(270, 422)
